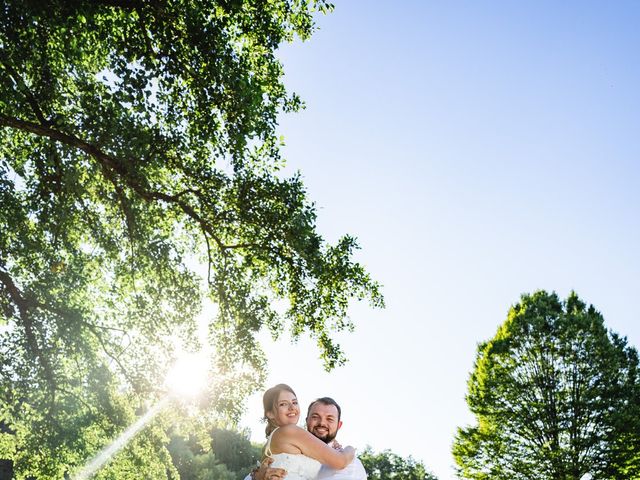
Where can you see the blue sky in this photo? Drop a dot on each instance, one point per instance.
(478, 151)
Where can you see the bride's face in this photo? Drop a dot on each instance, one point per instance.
(286, 410)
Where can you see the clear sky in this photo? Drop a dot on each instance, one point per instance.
(478, 150)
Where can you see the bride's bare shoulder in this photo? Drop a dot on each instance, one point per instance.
(288, 439)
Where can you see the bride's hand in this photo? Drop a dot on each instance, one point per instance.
(265, 472)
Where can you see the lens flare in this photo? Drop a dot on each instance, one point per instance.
(186, 379)
(108, 452)
(188, 376)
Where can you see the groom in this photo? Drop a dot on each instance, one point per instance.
(323, 421)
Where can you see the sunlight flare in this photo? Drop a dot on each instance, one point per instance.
(188, 376)
(110, 451)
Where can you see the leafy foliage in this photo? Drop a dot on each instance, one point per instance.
(235, 450)
(146, 456)
(138, 141)
(231, 456)
(387, 465)
(555, 396)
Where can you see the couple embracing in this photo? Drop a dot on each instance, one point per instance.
(299, 454)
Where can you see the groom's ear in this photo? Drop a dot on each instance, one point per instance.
(339, 425)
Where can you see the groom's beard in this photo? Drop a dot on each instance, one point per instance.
(326, 437)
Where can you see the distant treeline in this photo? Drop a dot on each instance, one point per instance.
(232, 456)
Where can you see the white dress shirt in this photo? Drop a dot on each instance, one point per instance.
(353, 471)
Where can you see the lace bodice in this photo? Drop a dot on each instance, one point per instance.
(298, 466)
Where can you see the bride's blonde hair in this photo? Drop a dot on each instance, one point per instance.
(269, 402)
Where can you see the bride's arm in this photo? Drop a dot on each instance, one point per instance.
(315, 448)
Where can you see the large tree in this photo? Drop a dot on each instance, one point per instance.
(138, 141)
(555, 396)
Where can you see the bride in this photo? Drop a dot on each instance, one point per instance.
(291, 447)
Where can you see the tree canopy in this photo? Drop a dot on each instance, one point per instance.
(555, 396)
(138, 141)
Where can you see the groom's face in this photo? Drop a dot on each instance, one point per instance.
(323, 421)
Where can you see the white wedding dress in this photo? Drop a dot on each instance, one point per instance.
(297, 465)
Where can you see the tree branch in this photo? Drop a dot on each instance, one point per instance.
(119, 167)
(90, 326)
(24, 306)
(22, 87)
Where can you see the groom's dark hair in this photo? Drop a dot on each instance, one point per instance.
(325, 401)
